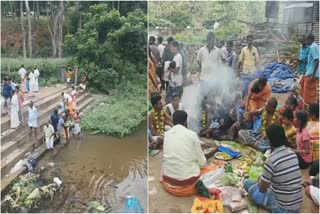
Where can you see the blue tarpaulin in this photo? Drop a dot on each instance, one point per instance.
(279, 76)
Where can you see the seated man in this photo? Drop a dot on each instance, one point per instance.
(219, 126)
(258, 93)
(174, 105)
(154, 142)
(158, 119)
(182, 158)
(264, 117)
(279, 188)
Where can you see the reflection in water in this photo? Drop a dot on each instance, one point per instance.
(101, 168)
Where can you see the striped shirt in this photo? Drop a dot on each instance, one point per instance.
(282, 171)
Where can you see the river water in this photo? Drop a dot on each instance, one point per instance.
(98, 168)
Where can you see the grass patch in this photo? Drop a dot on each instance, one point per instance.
(121, 114)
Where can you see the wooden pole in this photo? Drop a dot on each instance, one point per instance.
(9, 70)
(76, 76)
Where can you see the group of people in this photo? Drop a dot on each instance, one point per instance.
(290, 131)
(60, 125)
(29, 84)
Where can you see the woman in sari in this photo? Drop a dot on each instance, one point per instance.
(153, 85)
(259, 92)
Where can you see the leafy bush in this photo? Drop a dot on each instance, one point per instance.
(110, 53)
(121, 114)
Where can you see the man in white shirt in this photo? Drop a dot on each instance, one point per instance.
(182, 157)
(176, 73)
(160, 46)
(22, 73)
(209, 60)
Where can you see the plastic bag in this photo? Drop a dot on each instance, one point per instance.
(255, 172)
(230, 179)
(133, 205)
(211, 177)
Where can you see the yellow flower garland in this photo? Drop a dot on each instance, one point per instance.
(204, 116)
(275, 117)
(159, 122)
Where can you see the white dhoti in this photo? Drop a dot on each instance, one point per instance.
(14, 112)
(49, 142)
(14, 119)
(32, 123)
(32, 117)
(77, 128)
(68, 80)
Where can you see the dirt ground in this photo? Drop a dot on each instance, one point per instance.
(164, 202)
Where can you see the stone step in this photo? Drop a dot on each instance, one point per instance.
(42, 113)
(19, 153)
(21, 138)
(41, 103)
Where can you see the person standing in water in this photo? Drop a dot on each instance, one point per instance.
(48, 131)
(32, 120)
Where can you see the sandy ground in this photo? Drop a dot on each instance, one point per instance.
(162, 201)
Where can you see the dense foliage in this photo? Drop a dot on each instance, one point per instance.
(120, 114)
(110, 46)
(234, 17)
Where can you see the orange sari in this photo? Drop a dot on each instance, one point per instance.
(258, 100)
(153, 85)
(190, 189)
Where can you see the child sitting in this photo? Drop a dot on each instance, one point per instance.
(292, 105)
(313, 128)
(290, 130)
(295, 92)
(303, 150)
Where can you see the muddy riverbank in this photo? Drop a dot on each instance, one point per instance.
(97, 168)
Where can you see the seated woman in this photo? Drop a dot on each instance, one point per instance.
(174, 105)
(303, 142)
(289, 129)
(256, 138)
(276, 191)
(259, 92)
(313, 129)
(291, 104)
(183, 158)
(158, 119)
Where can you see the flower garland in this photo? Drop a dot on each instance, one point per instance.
(159, 122)
(275, 117)
(204, 116)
